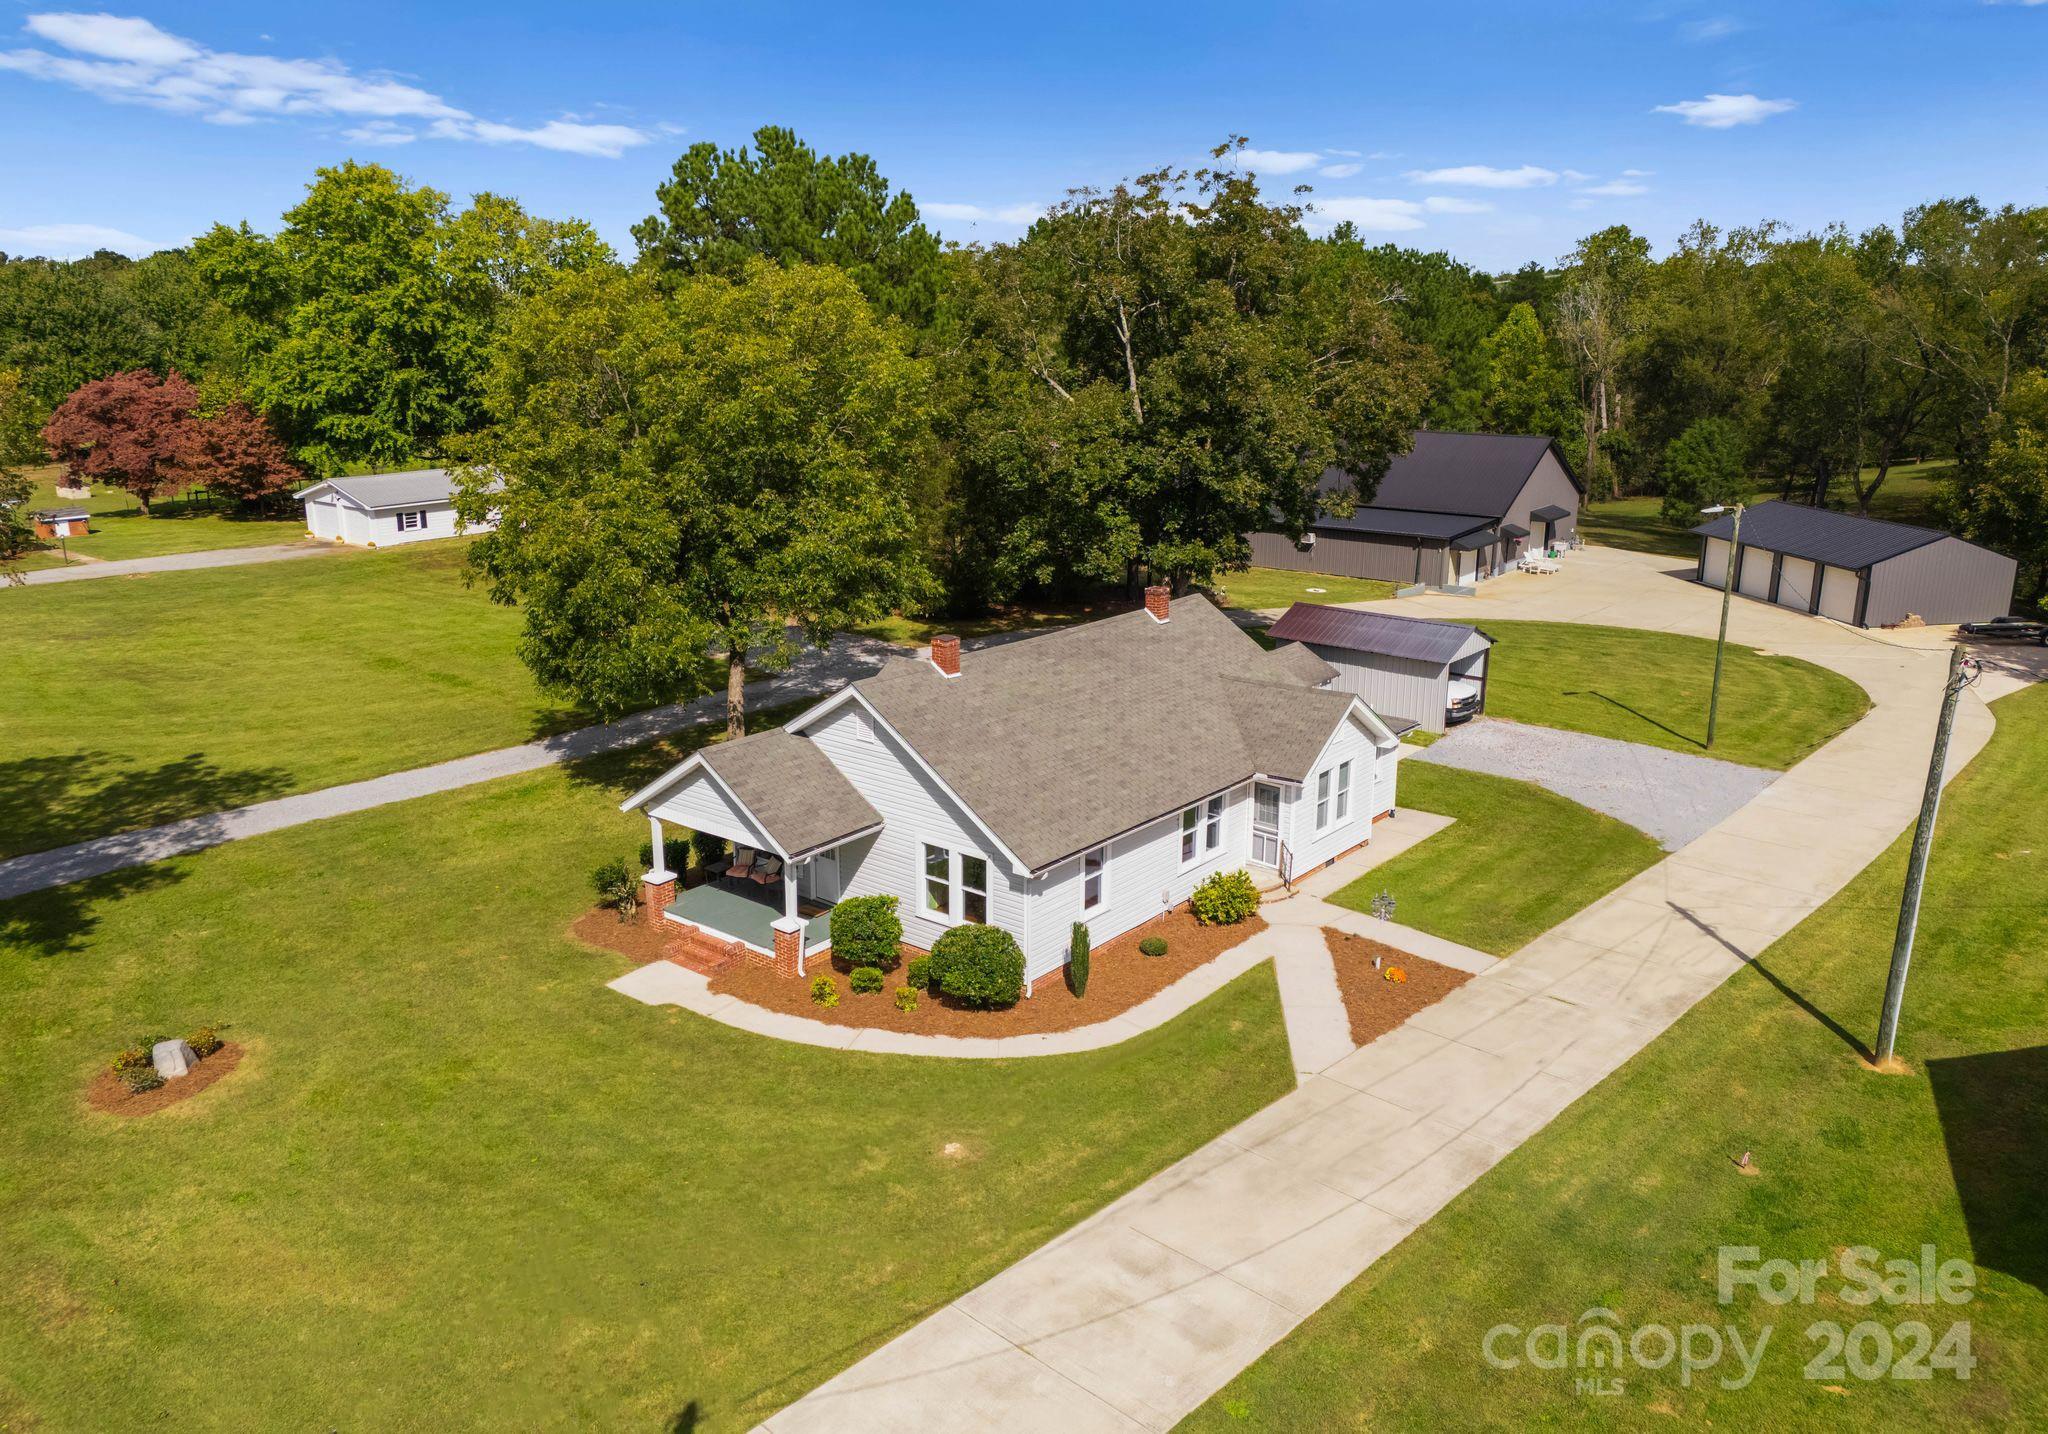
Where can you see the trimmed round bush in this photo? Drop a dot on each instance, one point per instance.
(919, 972)
(1153, 946)
(1225, 898)
(824, 992)
(979, 966)
(865, 980)
(867, 932)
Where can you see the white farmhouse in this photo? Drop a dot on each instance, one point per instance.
(1093, 774)
(380, 509)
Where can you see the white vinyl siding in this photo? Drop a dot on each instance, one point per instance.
(1313, 840)
(700, 804)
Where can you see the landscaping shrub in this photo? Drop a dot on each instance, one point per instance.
(867, 932)
(133, 1058)
(865, 980)
(204, 1042)
(824, 992)
(616, 888)
(1077, 959)
(141, 1078)
(906, 998)
(1153, 946)
(706, 847)
(1225, 898)
(675, 854)
(979, 966)
(919, 973)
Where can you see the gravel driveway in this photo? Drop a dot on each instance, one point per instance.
(1672, 796)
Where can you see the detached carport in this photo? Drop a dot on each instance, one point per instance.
(1401, 666)
(1862, 571)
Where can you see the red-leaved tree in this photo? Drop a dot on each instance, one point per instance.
(240, 456)
(132, 430)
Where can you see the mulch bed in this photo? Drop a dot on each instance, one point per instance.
(107, 1093)
(1375, 1004)
(635, 940)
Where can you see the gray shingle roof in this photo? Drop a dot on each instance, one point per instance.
(1841, 540)
(392, 490)
(1377, 632)
(1292, 660)
(1474, 473)
(792, 788)
(1061, 741)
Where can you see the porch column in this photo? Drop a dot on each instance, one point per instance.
(658, 886)
(789, 890)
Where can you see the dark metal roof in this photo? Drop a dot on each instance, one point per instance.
(1484, 538)
(1378, 632)
(1476, 473)
(1403, 523)
(1840, 540)
(1549, 513)
(1513, 530)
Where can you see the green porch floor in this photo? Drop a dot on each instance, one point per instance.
(744, 916)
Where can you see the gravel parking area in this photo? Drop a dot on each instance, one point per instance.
(1671, 796)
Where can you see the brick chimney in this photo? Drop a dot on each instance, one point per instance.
(1159, 602)
(946, 653)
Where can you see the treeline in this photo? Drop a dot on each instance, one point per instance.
(1151, 371)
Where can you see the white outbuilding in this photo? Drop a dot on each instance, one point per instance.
(380, 509)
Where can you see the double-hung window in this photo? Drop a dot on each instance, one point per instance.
(1201, 830)
(1094, 873)
(1212, 824)
(938, 880)
(1322, 800)
(1343, 790)
(1190, 834)
(955, 893)
(973, 888)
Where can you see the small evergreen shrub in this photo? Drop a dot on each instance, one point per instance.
(133, 1058)
(906, 998)
(1153, 946)
(706, 847)
(824, 992)
(919, 972)
(675, 854)
(615, 887)
(1225, 898)
(865, 980)
(204, 1041)
(141, 1078)
(979, 966)
(867, 932)
(1077, 959)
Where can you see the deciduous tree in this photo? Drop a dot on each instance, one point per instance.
(1703, 466)
(1527, 389)
(238, 455)
(130, 430)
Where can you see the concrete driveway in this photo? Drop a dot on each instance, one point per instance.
(1673, 796)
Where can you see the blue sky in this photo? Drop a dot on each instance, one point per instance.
(1500, 132)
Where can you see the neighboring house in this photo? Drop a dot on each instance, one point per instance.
(380, 509)
(1413, 672)
(1454, 508)
(54, 523)
(1093, 774)
(1862, 571)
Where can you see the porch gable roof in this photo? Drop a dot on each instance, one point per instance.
(790, 788)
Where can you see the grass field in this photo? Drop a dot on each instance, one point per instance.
(120, 531)
(1623, 1202)
(458, 1184)
(1518, 860)
(1266, 588)
(138, 700)
(1653, 688)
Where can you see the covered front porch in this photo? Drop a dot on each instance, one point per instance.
(750, 916)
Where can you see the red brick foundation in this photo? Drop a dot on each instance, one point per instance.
(789, 952)
(655, 898)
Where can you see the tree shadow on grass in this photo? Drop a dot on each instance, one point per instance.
(1642, 716)
(626, 769)
(1834, 1027)
(1993, 1108)
(46, 801)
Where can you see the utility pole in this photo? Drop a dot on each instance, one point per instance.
(1916, 864)
(1727, 596)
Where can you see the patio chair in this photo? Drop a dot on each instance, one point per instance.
(767, 872)
(742, 862)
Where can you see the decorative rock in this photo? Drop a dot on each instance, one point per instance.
(172, 1059)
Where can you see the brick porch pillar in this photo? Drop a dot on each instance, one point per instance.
(657, 894)
(789, 946)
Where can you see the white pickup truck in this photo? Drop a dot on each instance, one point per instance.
(1464, 701)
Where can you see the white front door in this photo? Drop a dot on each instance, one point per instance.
(1265, 824)
(818, 878)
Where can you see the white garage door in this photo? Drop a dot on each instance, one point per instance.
(1795, 584)
(1755, 578)
(1838, 594)
(1717, 563)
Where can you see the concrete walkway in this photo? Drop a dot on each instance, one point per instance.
(812, 674)
(81, 571)
(1137, 1315)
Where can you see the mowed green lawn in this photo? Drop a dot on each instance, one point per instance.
(1267, 588)
(1623, 1202)
(1517, 860)
(119, 529)
(1653, 688)
(143, 699)
(458, 1184)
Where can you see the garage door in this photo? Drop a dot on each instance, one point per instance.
(1717, 562)
(1755, 578)
(1838, 594)
(1795, 584)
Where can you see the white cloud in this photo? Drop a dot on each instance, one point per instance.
(1382, 216)
(1340, 171)
(1278, 161)
(127, 60)
(1726, 111)
(1447, 204)
(1485, 176)
(1717, 27)
(1637, 173)
(1616, 188)
(1020, 215)
(70, 241)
